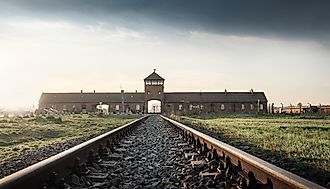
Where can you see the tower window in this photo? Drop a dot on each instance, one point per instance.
(159, 92)
(222, 107)
(154, 82)
(148, 82)
(148, 92)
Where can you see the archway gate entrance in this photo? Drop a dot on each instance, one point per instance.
(154, 107)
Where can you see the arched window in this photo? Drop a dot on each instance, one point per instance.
(222, 107)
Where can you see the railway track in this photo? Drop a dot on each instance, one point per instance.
(153, 152)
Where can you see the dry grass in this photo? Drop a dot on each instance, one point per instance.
(19, 135)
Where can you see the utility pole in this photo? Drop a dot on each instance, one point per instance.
(122, 98)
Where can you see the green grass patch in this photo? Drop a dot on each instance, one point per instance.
(304, 140)
(19, 135)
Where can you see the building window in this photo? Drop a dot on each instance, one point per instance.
(180, 106)
(83, 106)
(222, 107)
(148, 92)
(159, 92)
(202, 106)
(137, 107)
(117, 107)
(261, 107)
(243, 106)
(190, 107)
(251, 106)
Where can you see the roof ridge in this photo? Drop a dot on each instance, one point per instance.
(154, 76)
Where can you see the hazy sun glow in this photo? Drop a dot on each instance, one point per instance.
(44, 55)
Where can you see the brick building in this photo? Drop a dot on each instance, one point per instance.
(155, 100)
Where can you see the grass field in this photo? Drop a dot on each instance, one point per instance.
(298, 144)
(19, 135)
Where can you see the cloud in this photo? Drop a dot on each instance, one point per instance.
(293, 19)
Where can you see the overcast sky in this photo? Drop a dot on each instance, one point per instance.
(280, 47)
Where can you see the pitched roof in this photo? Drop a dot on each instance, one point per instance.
(174, 97)
(90, 97)
(154, 76)
(212, 97)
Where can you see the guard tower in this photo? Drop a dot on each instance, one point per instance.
(154, 93)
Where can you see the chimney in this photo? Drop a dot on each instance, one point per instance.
(122, 91)
(135, 91)
(81, 91)
(252, 91)
(226, 92)
(94, 91)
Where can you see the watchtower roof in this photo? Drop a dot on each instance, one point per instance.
(154, 76)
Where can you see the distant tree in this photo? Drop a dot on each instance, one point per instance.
(299, 105)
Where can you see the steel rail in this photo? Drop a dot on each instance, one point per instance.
(37, 174)
(264, 172)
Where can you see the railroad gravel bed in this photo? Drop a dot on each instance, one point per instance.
(152, 157)
(35, 156)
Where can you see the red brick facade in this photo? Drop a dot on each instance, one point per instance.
(176, 103)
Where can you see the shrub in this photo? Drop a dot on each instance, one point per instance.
(58, 120)
(3, 121)
(39, 119)
(50, 118)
